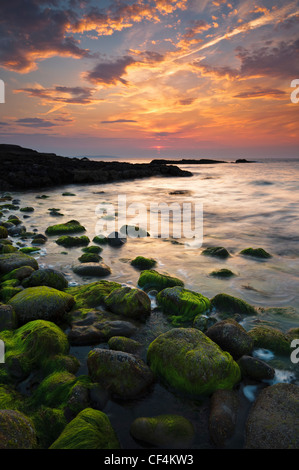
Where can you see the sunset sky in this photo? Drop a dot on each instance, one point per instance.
(150, 78)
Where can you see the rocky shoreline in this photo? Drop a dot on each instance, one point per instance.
(205, 354)
(22, 169)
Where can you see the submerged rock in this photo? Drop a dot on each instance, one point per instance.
(16, 431)
(70, 242)
(273, 421)
(222, 273)
(271, 338)
(89, 258)
(73, 226)
(170, 431)
(255, 368)
(116, 239)
(91, 429)
(123, 374)
(256, 253)
(188, 361)
(143, 263)
(41, 303)
(182, 305)
(151, 279)
(229, 304)
(216, 251)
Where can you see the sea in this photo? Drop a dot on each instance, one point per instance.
(235, 206)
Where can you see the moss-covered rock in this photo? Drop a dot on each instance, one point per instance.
(73, 226)
(34, 345)
(89, 258)
(140, 262)
(123, 374)
(203, 322)
(130, 303)
(91, 429)
(92, 249)
(273, 421)
(41, 303)
(70, 242)
(133, 231)
(170, 431)
(231, 337)
(8, 292)
(8, 318)
(19, 273)
(255, 368)
(27, 209)
(29, 249)
(100, 240)
(46, 277)
(89, 269)
(49, 424)
(92, 294)
(188, 361)
(7, 248)
(11, 261)
(3, 232)
(182, 305)
(229, 304)
(256, 253)
(121, 343)
(216, 251)
(16, 431)
(151, 279)
(222, 273)
(271, 338)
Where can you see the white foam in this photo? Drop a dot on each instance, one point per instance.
(250, 392)
(263, 354)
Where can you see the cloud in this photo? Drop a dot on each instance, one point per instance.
(35, 122)
(62, 94)
(117, 121)
(260, 93)
(110, 73)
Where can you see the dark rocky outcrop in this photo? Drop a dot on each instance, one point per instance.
(22, 168)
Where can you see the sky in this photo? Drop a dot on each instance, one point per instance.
(150, 78)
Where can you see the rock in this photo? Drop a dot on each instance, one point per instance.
(98, 397)
(231, 337)
(256, 253)
(271, 338)
(216, 251)
(151, 279)
(143, 263)
(133, 231)
(128, 302)
(3, 232)
(16, 231)
(89, 258)
(202, 322)
(29, 249)
(91, 429)
(188, 361)
(115, 239)
(73, 226)
(92, 294)
(41, 303)
(46, 277)
(293, 333)
(11, 261)
(33, 346)
(70, 242)
(101, 240)
(8, 318)
(92, 269)
(273, 421)
(26, 209)
(255, 368)
(7, 292)
(121, 343)
(19, 273)
(229, 304)
(92, 249)
(223, 416)
(222, 273)
(16, 431)
(182, 305)
(123, 374)
(168, 431)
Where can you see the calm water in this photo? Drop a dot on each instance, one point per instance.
(253, 205)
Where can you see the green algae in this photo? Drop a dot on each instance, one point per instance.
(143, 263)
(216, 251)
(151, 279)
(271, 338)
(89, 258)
(229, 304)
(256, 253)
(93, 294)
(73, 226)
(131, 303)
(222, 273)
(69, 242)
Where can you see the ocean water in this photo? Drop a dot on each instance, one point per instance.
(244, 205)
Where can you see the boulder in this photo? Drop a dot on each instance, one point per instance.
(188, 361)
(223, 416)
(128, 302)
(271, 338)
(8, 318)
(255, 368)
(151, 279)
(92, 269)
(216, 251)
(46, 277)
(256, 253)
(16, 431)
(73, 226)
(231, 337)
(229, 304)
(142, 263)
(11, 261)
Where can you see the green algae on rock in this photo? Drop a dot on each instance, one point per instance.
(34, 345)
(91, 429)
(41, 303)
(49, 424)
(151, 279)
(100, 240)
(271, 338)
(89, 258)
(231, 337)
(70, 242)
(3, 232)
(182, 305)
(8, 292)
(29, 249)
(129, 302)
(16, 431)
(188, 361)
(140, 262)
(92, 269)
(121, 343)
(216, 251)
(8, 318)
(46, 277)
(92, 249)
(92, 294)
(229, 304)
(170, 431)
(123, 374)
(256, 253)
(73, 226)
(222, 273)
(11, 261)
